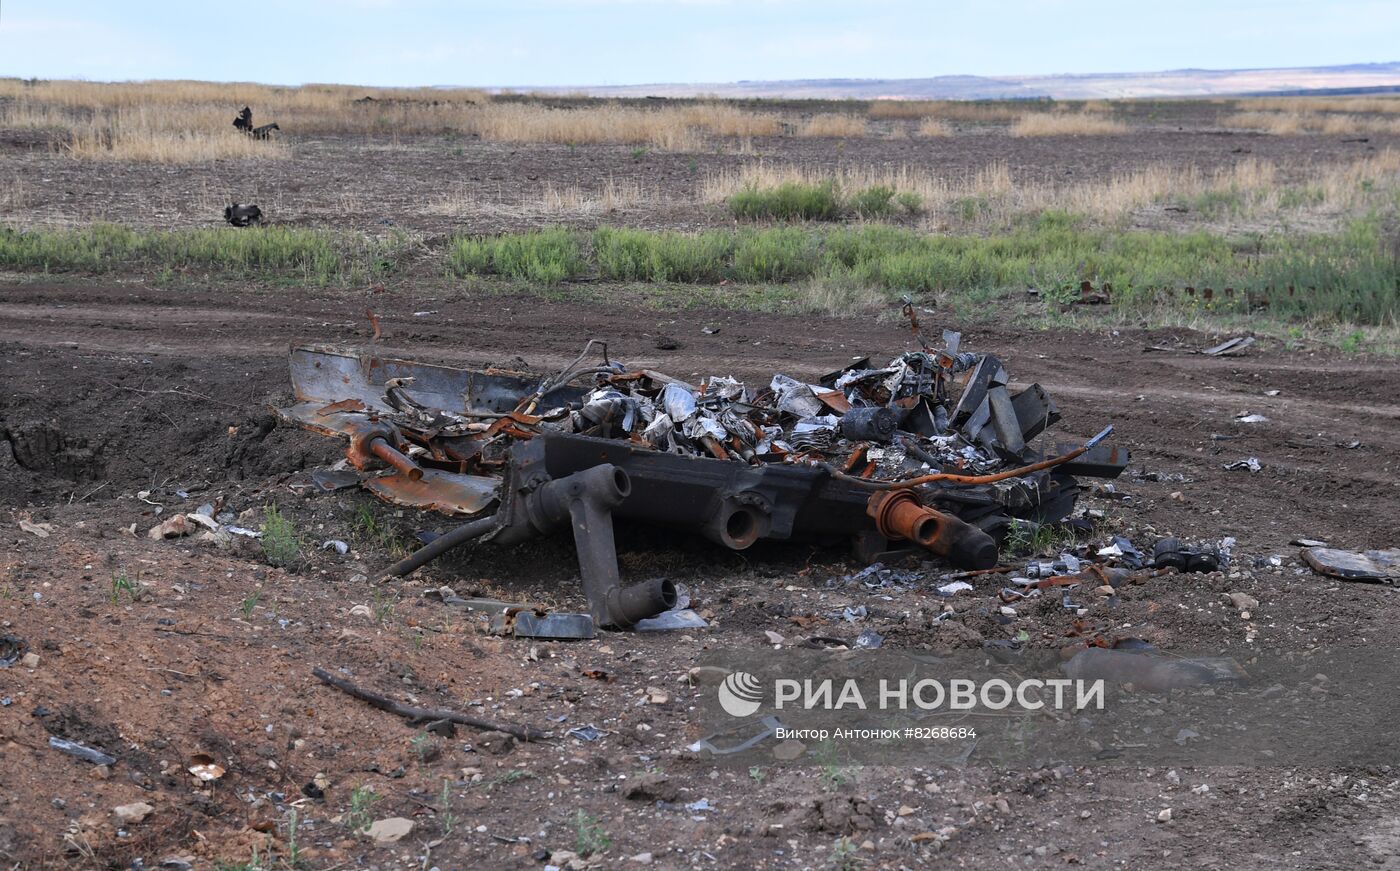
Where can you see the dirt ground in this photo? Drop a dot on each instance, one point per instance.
(451, 184)
(127, 398)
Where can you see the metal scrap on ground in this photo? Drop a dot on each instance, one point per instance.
(932, 450)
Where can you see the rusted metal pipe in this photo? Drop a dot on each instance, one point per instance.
(899, 516)
(441, 545)
(950, 478)
(391, 455)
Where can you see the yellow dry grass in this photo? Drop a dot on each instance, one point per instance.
(832, 124)
(1066, 124)
(994, 196)
(934, 127)
(549, 200)
(951, 110)
(720, 119)
(994, 178)
(182, 120)
(670, 129)
(149, 146)
(1293, 123)
(176, 105)
(1378, 105)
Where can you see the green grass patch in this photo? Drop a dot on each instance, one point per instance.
(312, 256)
(1348, 277)
(823, 201)
(640, 255)
(545, 256)
(791, 201)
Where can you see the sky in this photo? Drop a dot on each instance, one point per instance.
(538, 43)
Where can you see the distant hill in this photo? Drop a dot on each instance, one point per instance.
(1352, 78)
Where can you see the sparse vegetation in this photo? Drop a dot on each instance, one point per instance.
(122, 583)
(953, 110)
(934, 127)
(589, 837)
(1310, 120)
(280, 543)
(446, 818)
(383, 606)
(832, 124)
(515, 775)
(1061, 124)
(361, 813)
(845, 855)
(249, 602)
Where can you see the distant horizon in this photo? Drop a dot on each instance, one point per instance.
(563, 44)
(1357, 77)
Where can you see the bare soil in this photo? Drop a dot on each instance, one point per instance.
(451, 184)
(118, 389)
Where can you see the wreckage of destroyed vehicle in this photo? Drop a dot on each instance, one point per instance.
(932, 451)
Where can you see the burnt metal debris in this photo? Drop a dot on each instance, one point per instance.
(932, 451)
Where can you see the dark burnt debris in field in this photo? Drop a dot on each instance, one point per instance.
(928, 452)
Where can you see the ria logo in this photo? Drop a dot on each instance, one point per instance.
(740, 694)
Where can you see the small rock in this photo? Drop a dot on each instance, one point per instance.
(707, 675)
(657, 696)
(640, 858)
(387, 831)
(175, 527)
(1178, 496)
(30, 660)
(774, 637)
(905, 810)
(1104, 591)
(1003, 806)
(652, 786)
(1241, 601)
(135, 812)
(1164, 815)
(789, 750)
(496, 743)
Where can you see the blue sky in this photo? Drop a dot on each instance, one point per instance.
(607, 42)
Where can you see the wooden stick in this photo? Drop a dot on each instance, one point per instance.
(424, 715)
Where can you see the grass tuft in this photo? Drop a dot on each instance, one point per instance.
(789, 201)
(280, 543)
(544, 256)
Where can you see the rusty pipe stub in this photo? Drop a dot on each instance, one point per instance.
(899, 516)
(380, 440)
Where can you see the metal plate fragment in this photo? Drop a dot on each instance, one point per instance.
(447, 492)
(1372, 565)
(528, 624)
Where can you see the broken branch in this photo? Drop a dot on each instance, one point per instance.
(425, 715)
